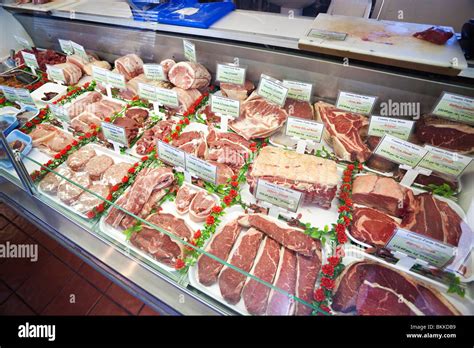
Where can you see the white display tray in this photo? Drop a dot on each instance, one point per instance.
(464, 305)
(100, 151)
(167, 207)
(46, 88)
(214, 291)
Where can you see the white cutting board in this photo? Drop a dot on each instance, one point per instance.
(385, 42)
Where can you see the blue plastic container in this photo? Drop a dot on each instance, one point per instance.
(188, 13)
(11, 120)
(17, 135)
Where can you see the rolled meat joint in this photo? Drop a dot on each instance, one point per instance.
(186, 97)
(72, 73)
(201, 206)
(187, 75)
(129, 66)
(167, 64)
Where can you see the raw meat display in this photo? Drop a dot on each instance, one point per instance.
(187, 75)
(258, 118)
(255, 293)
(52, 180)
(208, 115)
(78, 61)
(103, 64)
(146, 182)
(159, 245)
(79, 106)
(85, 122)
(72, 73)
(131, 127)
(115, 173)
(237, 92)
(307, 271)
(228, 148)
(280, 303)
(78, 159)
(184, 197)
(201, 206)
(87, 200)
(382, 193)
(224, 172)
(192, 142)
(367, 288)
(446, 134)
(299, 108)
(69, 192)
(291, 238)
(186, 97)
(372, 227)
(231, 281)
(97, 166)
(133, 86)
(436, 35)
(344, 131)
(129, 66)
(167, 64)
(43, 57)
(377, 162)
(220, 246)
(433, 218)
(158, 132)
(316, 177)
(50, 139)
(139, 115)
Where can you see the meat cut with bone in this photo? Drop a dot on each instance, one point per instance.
(344, 131)
(201, 206)
(291, 238)
(184, 197)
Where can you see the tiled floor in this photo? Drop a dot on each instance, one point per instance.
(58, 283)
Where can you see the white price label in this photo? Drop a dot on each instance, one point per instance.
(444, 161)
(10, 93)
(358, 103)
(230, 73)
(167, 97)
(278, 195)
(304, 129)
(201, 168)
(24, 96)
(100, 75)
(154, 72)
(272, 90)
(189, 51)
(225, 106)
(146, 91)
(80, 51)
(66, 46)
(60, 112)
(171, 155)
(299, 90)
(115, 134)
(116, 80)
(455, 107)
(400, 151)
(379, 126)
(30, 60)
(55, 73)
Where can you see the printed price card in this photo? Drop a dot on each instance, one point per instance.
(189, 51)
(60, 112)
(100, 75)
(24, 96)
(225, 106)
(455, 107)
(171, 155)
(421, 247)
(30, 60)
(299, 90)
(115, 134)
(146, 91)
(10, 93)
(167, 97)
(55, 73)
(230, 73)
(154, 72)
(358, 103)
(80, 51)
(201, 168)
(304, 129)
(400, 151)
(66, 46)
(116, 80)
(278, 195)
(272, 90)
(445, 162)
(379, 126)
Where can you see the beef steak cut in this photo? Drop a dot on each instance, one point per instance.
(372, 227)
(307, 271)
(231, 281)
(220, 246)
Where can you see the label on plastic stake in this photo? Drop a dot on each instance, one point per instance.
(188, 177)
(411, 174)
(301, 146)
(108, 88)
(224, 122)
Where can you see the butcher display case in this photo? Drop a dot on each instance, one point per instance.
(199, 213)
